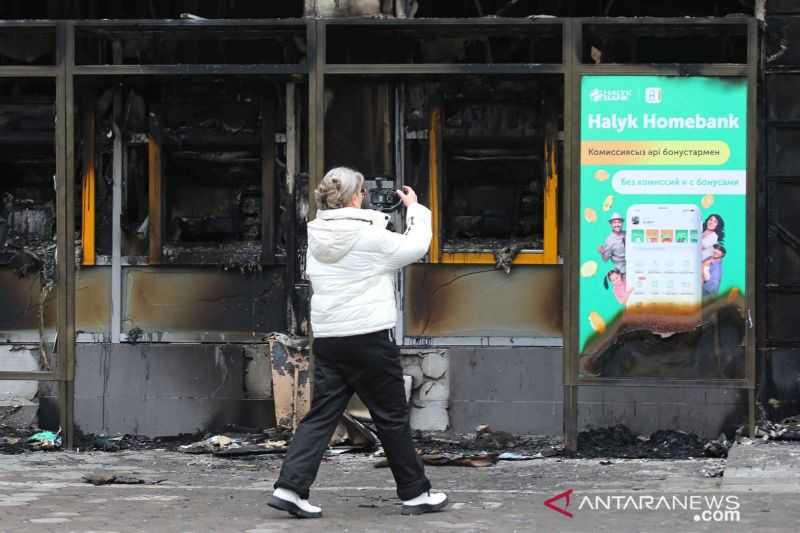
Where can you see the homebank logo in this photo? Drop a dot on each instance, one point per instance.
(610, 95)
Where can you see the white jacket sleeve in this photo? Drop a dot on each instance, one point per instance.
(403, 249)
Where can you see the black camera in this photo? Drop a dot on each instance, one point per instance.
(380, 195)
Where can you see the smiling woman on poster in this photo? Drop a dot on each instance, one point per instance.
(713, 233)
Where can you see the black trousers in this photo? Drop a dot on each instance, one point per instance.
(369, 365)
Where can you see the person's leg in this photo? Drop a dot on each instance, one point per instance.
(376, 375)
(331, 394)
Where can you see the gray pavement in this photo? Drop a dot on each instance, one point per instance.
(45, 492)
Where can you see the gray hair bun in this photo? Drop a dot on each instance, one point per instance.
(337, 188)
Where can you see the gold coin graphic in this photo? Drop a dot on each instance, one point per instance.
(601, 175)
(597, 322)
(589, 269)
(590, 215)
(609, 201)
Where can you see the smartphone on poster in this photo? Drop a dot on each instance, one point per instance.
(663, 255)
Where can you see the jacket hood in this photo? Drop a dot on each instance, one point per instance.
(335, 231)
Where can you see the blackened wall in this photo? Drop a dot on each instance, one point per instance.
(160, 390)
(520, 390)
(779, 222)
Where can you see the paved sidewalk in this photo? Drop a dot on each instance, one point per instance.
(45, 492)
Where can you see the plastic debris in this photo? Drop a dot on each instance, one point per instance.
(514, 456)
(45, 440)
(238, 448)
(339, 450)
(209, 445)
(225, 446)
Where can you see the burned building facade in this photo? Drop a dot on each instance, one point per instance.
(159, 159)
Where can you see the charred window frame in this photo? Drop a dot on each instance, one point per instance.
(441, 57)
(36, 202)
(32, 206)
(494, 168)
(146, 158)
(175, 131)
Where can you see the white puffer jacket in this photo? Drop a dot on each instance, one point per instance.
(351, 261)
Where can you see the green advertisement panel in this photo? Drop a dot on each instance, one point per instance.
(663, 207)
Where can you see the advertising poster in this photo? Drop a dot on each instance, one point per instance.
(663, 206)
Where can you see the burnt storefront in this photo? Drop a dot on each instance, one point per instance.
(159, 161)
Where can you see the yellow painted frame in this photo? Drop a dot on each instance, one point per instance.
(547, 256)
(88, 193)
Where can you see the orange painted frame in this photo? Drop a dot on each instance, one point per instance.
(547, 256)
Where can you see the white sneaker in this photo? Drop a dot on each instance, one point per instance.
(289, 501)
(427, 502)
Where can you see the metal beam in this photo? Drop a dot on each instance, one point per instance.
(291, 138)
(666, 21)
(189, 70)
(421, 69)
(268, 203)
(751, 248)
(65, 227)
(116, 209)
(28, 72)
(316, 107)
(665, 383)
(30, 376)
(665, 69)
(571, 47)
(27, 24)
(181, 23)
(316, 136)
(445, 22)
(292, 166)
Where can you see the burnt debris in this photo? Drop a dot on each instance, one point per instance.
(203, 173)
(27, 190)
(619, 441)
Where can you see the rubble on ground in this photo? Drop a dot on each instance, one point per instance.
(488, 440)
(117, 478)
(484, 447)
(787, 429)
(718, 447)
(619, 441)
(236, 446)
(16, 440)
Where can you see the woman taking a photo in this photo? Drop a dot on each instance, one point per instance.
(351, 261)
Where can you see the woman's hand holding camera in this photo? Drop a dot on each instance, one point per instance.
(407, 195)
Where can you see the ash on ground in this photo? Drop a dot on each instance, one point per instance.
(619, 441)
(15, 440)
(484, 439)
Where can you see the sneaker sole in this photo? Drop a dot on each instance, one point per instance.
(424, 508)
(292, 509)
